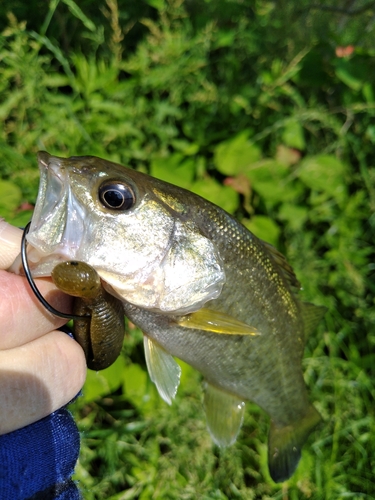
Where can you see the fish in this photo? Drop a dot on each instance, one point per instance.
(200, 286)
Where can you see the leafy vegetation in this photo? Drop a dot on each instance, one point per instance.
(265, 108)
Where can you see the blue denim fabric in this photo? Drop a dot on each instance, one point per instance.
(37, 461)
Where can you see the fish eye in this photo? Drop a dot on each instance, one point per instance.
(116, 196)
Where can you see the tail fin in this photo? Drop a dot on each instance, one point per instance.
(285, 445)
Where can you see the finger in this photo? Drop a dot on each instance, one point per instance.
(10, 243)
(38, 378)
(22, 317)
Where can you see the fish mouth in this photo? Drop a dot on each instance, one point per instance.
(57, 225)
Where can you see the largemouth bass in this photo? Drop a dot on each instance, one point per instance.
(199, 285)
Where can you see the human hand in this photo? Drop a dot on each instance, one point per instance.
(41, 369)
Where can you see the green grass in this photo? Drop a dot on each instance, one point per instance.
(247, 104)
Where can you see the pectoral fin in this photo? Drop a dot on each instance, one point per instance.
(224, 412)
(285, 445)
(163, 369)
(217, 322)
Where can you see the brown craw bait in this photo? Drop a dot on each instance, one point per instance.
(102, 334)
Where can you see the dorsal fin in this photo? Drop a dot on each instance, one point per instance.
(284, 266)
(311, 315)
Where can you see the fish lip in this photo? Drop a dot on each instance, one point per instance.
(44, 265)
(52, 238)
(50, 194)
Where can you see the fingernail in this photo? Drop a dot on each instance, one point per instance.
(9, 233)
(10, 243)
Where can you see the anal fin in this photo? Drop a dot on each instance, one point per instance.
(224, 412)
(285, 445)
(163, 369)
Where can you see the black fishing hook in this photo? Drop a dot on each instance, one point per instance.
(33, 286)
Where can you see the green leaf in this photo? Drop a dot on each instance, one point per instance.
(236, 155)
(293, 135)
(368, 91)
(138, 387)
(77, 12)
(223, 196)
(264, 228)
(224, 38)
(189, 377)
(20, 219)
(324, 173)
(269, 178)
(267, 170)
(185, 147)
(295, 215)
(287, 156)
(99, 384)
(157, 4)
(10, 198)
(172, 169)
(370, 133)
(352, 72)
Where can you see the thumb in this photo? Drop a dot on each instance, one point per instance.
(10, 243)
